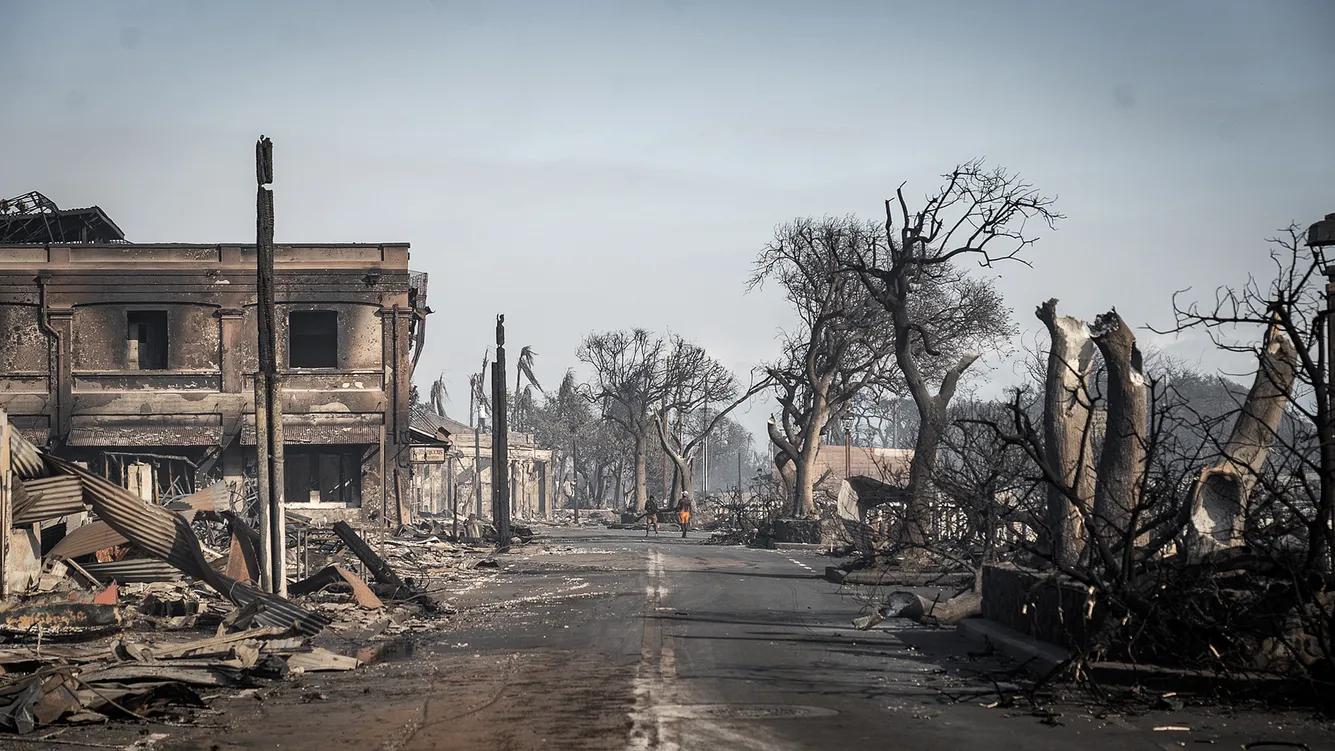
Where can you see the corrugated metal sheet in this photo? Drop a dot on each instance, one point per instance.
(134, 435)
(166, 535)
(163, 534)
(24, 458)
(213, 498)
(323, 428)
(137, 570)
(48, 498)
(87, 539)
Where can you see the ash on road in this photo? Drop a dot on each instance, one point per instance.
(600, 639)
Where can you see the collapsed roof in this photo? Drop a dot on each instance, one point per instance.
(34, 218)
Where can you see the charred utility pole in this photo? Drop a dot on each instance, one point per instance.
(500, 449)
(268, 387)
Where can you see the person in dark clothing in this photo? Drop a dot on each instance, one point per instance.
(684, 512)
(650, 515)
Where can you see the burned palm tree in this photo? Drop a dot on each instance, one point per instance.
(477, 393)
(524, 396)
(438, 395)
(525, 370)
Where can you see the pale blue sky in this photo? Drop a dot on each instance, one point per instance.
(609, 164)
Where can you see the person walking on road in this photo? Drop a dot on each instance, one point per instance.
(684, 512)
(650, 515)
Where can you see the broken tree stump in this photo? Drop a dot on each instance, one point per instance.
(1067, 431)
(1219, 500)
(1121, 465)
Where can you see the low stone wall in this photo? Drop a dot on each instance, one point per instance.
(1037, 604)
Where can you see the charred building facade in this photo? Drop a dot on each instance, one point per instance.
(139, 359)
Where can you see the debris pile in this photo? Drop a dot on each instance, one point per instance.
(139, 606)
(137, 676)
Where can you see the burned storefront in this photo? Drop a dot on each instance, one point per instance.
(452, 470)
(138, 360)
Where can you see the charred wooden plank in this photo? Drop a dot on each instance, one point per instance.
(382, 571)
(333, 575)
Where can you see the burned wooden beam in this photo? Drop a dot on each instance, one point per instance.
(268, 388)
(330, 575)
(59, 616)
(382, 571)
(500, 447)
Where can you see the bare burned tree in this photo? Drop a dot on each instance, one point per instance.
(940, 316)
(991, 487)
(1291, 304)
(628, 384)
(439, 395)
(839, 347)
(695, 380)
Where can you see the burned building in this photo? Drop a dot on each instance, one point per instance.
(461, 475)
(139, 360)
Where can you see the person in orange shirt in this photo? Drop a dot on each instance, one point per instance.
(684, 512)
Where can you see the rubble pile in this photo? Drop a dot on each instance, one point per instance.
(588, 517)
(140, 607)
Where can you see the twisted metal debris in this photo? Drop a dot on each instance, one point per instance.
(160, 533)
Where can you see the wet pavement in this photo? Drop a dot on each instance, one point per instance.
(601, 639)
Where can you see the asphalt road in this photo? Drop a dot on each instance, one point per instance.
(602, 639)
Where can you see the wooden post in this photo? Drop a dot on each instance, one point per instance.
(500, 453)
(6, 503)
(262, 480)
(268, 385)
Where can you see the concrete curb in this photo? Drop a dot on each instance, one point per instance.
(899, 578)
(1038, 657)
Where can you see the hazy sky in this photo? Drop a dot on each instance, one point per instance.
(590, 165)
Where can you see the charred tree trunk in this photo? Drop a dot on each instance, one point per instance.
(804, 492)
(683, 462)
(1067, 432)
(931, 429)
(918, 514)
(1121, 466)
(641, 470)
(931, 411)
(1220, 498)
(804, 474)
